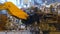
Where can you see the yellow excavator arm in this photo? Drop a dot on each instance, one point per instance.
(13, 10)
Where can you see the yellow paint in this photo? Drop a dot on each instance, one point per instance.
(13, 10)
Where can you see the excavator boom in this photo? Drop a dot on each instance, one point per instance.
(13, 10)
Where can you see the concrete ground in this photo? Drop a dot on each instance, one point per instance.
(16, 32)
